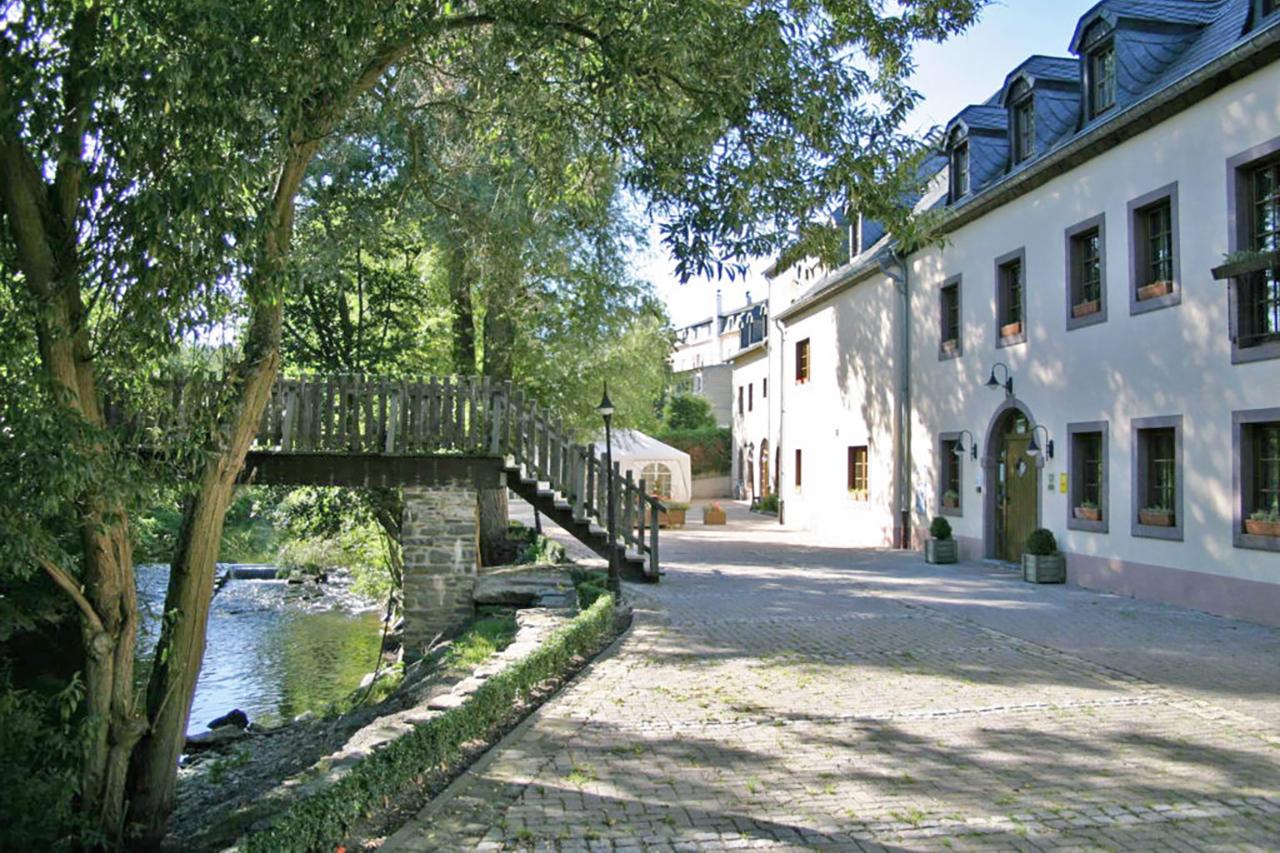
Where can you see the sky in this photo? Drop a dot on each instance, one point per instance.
(964, 70)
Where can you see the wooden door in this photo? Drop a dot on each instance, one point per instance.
(1019, 492)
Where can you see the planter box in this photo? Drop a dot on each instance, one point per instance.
(714, 516)
(1011, 330)
(1048, 569)
(949, 347)
(951, 503)
(940, 551)
(1086, 514)
(1155, 519)
(1154, 289)
(671, 518)
(1261, 261)
(1084, 309)
(1261, 528)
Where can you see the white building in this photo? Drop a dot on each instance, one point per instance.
(1085, 208)
(703, 351)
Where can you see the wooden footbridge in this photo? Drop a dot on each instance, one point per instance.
(353, 430)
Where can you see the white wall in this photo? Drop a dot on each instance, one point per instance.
(752, 427)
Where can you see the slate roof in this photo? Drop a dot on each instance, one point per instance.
(1056, 69)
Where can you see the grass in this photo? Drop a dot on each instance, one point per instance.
(487, 635)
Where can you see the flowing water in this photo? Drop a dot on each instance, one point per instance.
(274, 650)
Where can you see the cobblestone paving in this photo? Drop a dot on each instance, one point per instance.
(773, 694)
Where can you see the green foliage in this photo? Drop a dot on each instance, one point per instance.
(710, 448)
(687, 413)
(769, 503)
(543, 552)
(486, 635)
(1041, 543)
(589, 586)
(321, 820)
(940, 528)
(1269, 515)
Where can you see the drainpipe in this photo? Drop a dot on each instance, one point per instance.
(895, 268)
(781, 386)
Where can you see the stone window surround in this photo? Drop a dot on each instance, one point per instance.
(943, 453)
(1241, 456)
(1099, 222)
(1238, 237)
(1137, 251)
(1138, 479)
(944, 355)
(1020, 255)
(1104, 488)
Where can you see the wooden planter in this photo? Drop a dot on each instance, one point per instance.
(1010, 330)
(1259, 262)
(1154, 289)
(949, 347)
(1084, 309)
(1155, 519)
(1088, 514)
(1044, 569)
(671, 518)
(1261, 528)
(713, 516)
(940, 551)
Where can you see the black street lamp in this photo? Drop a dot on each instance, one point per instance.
(961, 450)
(994, 383)
(1033, 449)
(605, 410)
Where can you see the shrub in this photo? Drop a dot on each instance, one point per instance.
(588, 593)
(320, 821)
(688, 412)
(940, 528)
(710, 449)
(543, 551)
(1041, 543)
(768, 503)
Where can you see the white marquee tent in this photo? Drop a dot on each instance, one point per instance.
(665, 470)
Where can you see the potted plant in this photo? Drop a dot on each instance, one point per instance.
(1245, 262)
(949, 346)
(672, 515)
(941, 548)
(951, 499)
(1263, 522)
(1088, 511)
(1084, 309)
(1156, 516)
(713, 513)
(1009, 330)
(1154, 289)
(1041, 561)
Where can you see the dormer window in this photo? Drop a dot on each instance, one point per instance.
(1100, 67)
(1024, 122)
(959, 169)
(1267, 7)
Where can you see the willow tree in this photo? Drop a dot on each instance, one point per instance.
(151, 154)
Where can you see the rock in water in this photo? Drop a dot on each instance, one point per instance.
(236, 718)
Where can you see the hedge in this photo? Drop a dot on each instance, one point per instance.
(323, 819)
(710, 449)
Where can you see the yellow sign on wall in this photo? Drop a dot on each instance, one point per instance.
(1062, 483)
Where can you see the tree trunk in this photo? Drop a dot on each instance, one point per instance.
(464, 319)
(499, 339)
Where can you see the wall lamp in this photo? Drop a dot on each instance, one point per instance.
(961, 450)
(994, 383)
(1033, 449)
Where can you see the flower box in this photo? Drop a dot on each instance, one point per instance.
(950, 502)
(671, 517)
(1154, 290)
(713, 515)
(1010, 330)
(939, 551)
(1084, 309)
(1155, 519)
(1255, 527)
(1088, 513)
(950, 346)
(1251, 262)
(1050, 568)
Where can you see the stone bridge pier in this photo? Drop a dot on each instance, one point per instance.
(440, 538)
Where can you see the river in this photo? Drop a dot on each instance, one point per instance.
(274, 650)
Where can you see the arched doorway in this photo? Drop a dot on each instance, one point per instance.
(764, 468)
(1011, 506)
(751, 473)
(742, 472)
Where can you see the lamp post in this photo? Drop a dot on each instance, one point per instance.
(605, 410)
(1033, 449)
(994, 383)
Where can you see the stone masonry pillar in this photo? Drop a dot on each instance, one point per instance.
(440, 537)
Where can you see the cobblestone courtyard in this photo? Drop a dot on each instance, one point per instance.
(777, 694)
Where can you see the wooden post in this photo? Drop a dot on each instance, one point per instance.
(653, 539)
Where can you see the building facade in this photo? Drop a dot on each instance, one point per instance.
(1094, 346)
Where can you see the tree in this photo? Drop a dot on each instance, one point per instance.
(687, 411)
(151, 155)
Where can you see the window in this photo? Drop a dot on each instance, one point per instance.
(739, 400)
(949, 474)
(1086, 274)
(1157, 487)
(857, 472)
(1087, 505)
(1153, 237)
(1102, 79)
(949, 321)
(959, 170)
(799, 470)
(1265, 8)
(764, 388)
(751, 397)
(1259, 293)
(1024, 122)
(657, 479)
(1257, 479)
(802, 361)
(1010, 299)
